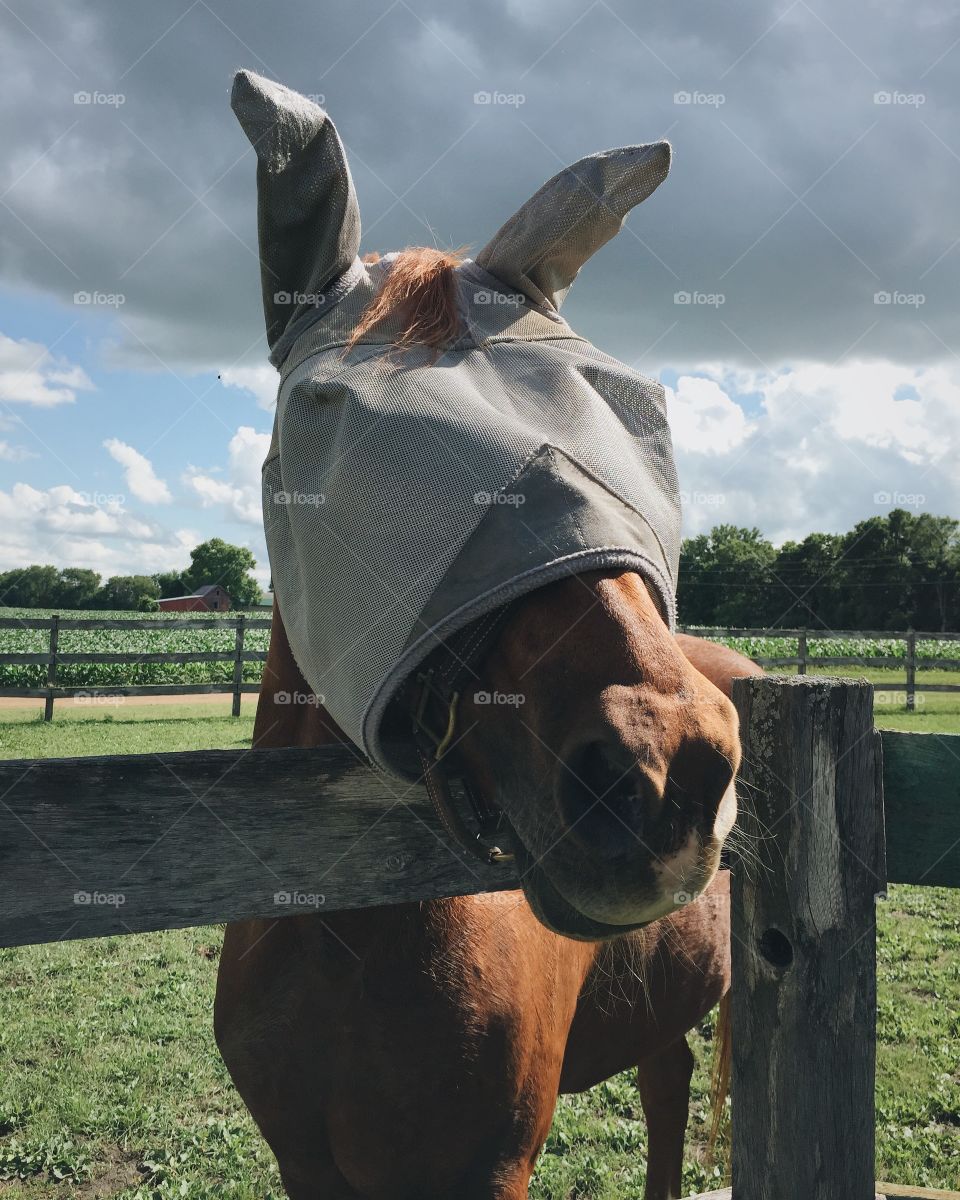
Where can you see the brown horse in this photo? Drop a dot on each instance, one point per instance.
(418, 1051)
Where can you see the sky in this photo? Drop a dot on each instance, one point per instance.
(793, 283)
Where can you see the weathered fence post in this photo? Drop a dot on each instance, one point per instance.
(911, 670)
(238, 665)
(802, 652)
(804, 940)
(52, 667)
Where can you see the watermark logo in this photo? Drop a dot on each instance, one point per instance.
(97, 699)
(108, 899)
(707, 499)
(310, 699)
(294, 899)
(313, 298)
(685, 897)
(514, 499)
(317, 97)
(100, 99)
(700, 99)
(897, 699)
(512, 299)
(100, 299)
(707, 299)
(505, 99)
(504, 699)
(900, 499)
(305, 499)
(901, 299)
(900, 99)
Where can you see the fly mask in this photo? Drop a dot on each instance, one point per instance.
(407, 498)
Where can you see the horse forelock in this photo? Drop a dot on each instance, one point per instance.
(420, 287)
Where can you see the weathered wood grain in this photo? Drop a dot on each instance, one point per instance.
(922, 798)
(804, 941)
(96, 846)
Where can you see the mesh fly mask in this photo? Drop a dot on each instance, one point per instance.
(407, 498)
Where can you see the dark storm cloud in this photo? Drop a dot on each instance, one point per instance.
(795, 198)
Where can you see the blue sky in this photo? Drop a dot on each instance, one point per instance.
(810, 220)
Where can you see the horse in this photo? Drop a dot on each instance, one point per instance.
(416, 1052)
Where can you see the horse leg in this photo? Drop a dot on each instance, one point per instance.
(664, 1084)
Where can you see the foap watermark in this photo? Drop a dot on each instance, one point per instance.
(98, 699)
(682, 897)
(309, 699)
(707, 499)
(314, 298)
(100, 99)
(897, 699)
(294, 899)
(303, 499)
(317, 97)
(111, 500)
(510, 499)
(100, 299)
(706, 299)
(106, 899)
(900, 499)
(499, 299)
(505, 99)
(900, 299)
(900, 99)
(501, 699)
(701, 99)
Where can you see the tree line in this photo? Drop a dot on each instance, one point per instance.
(213, 561)
(896, 571)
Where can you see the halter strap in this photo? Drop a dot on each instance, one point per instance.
(438, 688)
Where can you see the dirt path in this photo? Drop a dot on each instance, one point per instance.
(86, 704)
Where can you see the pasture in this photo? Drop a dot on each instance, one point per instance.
(113, 1087)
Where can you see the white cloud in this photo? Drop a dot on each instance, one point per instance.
(238, 494)
(10, 453)
(68, 528)
(824, 447)
(261, 382)
(30, 374)
(138, 470)
(703, 418)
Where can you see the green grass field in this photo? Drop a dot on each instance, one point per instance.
(112, 1087)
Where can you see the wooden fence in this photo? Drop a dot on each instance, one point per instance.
(53, 657)
(911, 662)
(833, 809)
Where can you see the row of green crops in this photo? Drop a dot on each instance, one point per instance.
(150, 641)
(841, 647)
(122, 641)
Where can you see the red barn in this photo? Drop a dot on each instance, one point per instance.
(209, 598)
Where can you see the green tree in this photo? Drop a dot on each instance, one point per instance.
(77, 587)
(30, 587)
(725, 577)
(127, 591)
(217, 561)
(171, 583)
(808, 574)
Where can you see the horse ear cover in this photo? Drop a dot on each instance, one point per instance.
(307, 213)
(545, 243)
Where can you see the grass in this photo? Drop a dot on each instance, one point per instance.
(112, 1085)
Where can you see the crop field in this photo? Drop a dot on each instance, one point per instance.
(121, 641)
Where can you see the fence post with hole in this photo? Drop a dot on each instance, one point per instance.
(52, 667)
(238, 665)
(911, 670)
(802, 652)
(804, 939)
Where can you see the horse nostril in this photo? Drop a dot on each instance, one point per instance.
(605, 799)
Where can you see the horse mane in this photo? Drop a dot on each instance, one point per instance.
(421, 287)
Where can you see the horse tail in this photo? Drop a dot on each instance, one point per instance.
(421, 287)
(719, 1074)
